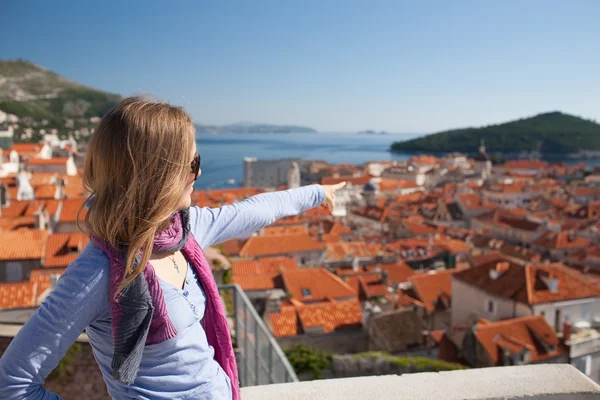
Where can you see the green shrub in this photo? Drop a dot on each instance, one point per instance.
(308, 359)
(66, 366)
(418, 363)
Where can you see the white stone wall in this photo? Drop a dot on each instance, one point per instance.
(531, 382)
(468, 300)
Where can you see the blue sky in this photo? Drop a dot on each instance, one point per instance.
(400, 66)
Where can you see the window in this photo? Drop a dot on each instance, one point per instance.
(13, 271)
(490, 306)
(585, 312)
(306, 292)
(584, 364)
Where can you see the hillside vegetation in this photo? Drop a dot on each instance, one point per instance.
(550, 133)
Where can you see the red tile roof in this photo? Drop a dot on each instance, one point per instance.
(262, 274)
(432, 286)
(15, 209)
(273, 245)
(69, 210)
(22, 245)
(284, 230)
(506, 219)
(16, 223)
(25, 294)
(51, 161)
(453, 245)
(531, 333)
(329, 316)
(45, 191)
(63, 248)
(356, 181)
(339, 229)
(390, 184)
(378, 214)
(313, 284)
(525, 164)
(562, 241)
(472, 201)
(23, 148)
(529, 284)
(343, 250)
(232, 247)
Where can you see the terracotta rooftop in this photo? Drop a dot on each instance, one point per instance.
(284, 230)
(51, 161)
(562, 241)
(273, 245)
(506, 219)
(390, 184)
(375, 213)
(16, 223)
(524, 164)
(314, 284)
(69, 210)
(22, 245)
(25, 294)
(342, 251)
(433, 287)
(45, 191)
(356, 181)
(529, 284)
(26, 147)
(262, 274)
(329, 316)
(472, 201)
(63, 248)
(531, 333)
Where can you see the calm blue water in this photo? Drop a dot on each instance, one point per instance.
(223, 155)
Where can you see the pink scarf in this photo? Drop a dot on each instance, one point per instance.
(140, 317)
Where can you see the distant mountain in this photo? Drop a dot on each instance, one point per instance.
(249, 127)
(549, 133)
(28, 90)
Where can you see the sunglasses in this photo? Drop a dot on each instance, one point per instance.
(195, 166)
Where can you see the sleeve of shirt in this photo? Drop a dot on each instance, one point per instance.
(216, 225)
(79, 298)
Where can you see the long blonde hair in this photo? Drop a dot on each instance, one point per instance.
(136, 166)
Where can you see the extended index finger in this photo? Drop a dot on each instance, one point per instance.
(339, 185)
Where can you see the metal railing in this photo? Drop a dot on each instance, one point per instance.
(260, 359)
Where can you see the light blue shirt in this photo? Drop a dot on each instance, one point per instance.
(180, 368)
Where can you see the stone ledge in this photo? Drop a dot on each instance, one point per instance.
(531, 382)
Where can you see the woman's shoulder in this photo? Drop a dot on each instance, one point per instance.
(91, 268)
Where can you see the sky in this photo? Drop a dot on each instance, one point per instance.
(334, 65)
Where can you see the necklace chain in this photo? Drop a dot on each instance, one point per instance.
(174, 263)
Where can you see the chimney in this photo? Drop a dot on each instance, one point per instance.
(385, 278)
(498, 270)
(355, 264)
(566, 331)
(71, 166)
(273, 304)
(59, 194)
(42, 219)
(3, 195)
(54, 280)
(553, 284)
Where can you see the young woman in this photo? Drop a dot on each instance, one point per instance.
(142, 289)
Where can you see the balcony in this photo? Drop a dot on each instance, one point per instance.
(531, 382)
(260, 359)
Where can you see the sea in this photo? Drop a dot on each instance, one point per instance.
(223, 154)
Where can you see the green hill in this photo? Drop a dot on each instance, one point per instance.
(551, 133)
(28, 90)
